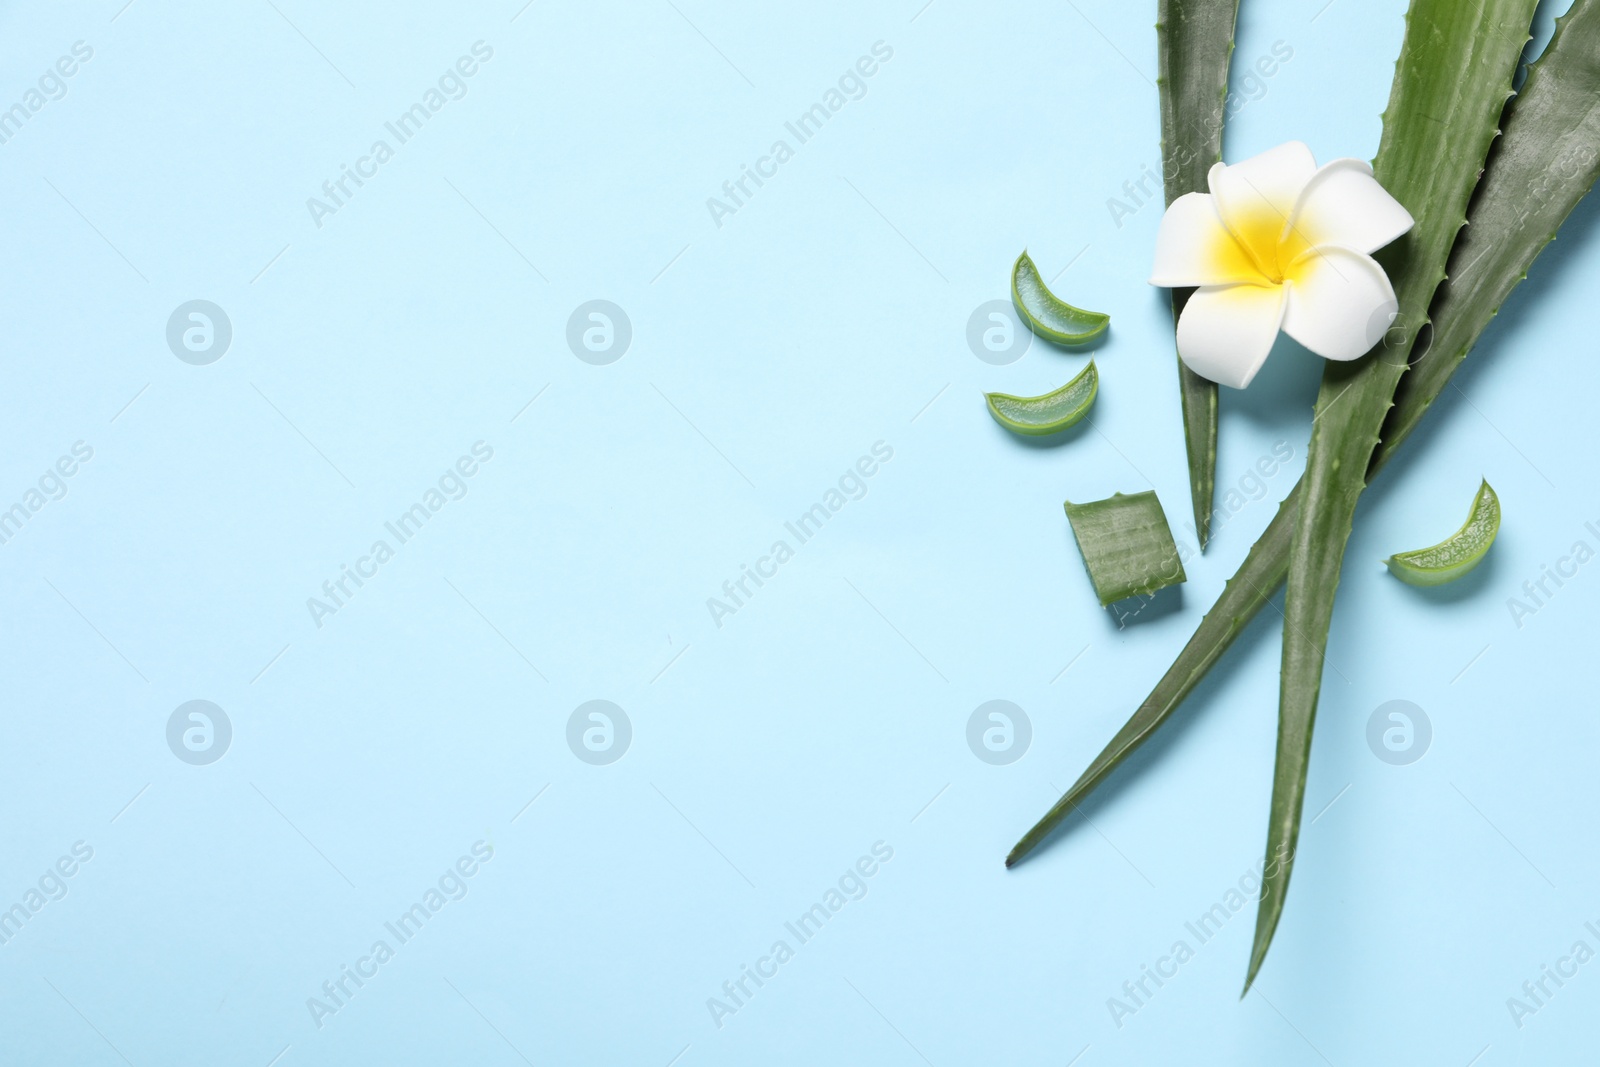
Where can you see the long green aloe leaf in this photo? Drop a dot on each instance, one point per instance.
(1547, 158)
(1551, 143)
(1194, 41)
(1451, 83)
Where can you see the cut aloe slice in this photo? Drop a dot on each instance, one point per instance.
(1037, 416)
(1047, 314)
(1127, 546)
(1458, 553)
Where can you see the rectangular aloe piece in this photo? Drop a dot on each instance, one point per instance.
(1551, 143)
(1194, 42)
(1127, 546)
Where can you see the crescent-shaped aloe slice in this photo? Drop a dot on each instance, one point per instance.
(1047, 314)
(1551, 142)
(1456, 554)
(1038, 416)
(1194, 41)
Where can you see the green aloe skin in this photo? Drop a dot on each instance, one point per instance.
(1047, 314)
(1194, 42)
(1436, 136)
(1550, 147)
(1127, 546)
(1040, 416)
(1457, 554)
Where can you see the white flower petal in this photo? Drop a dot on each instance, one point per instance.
(1256, 196)
(1340, 302)
(1344, 205)
(1193, 247)
(1226, 331)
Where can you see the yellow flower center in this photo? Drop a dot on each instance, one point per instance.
(1255, 242)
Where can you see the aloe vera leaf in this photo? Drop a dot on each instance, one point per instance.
(1546, 160)
(1451, 83)
(1127, 546)
(1047, 314)
(1456, 554)
(1198, 398)
(1194, 42)
(1241, 598)
(1551, 143)
(1038, 416)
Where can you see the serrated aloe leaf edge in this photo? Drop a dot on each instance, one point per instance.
(1550, 142)
(1194, 43)
(1437, 131)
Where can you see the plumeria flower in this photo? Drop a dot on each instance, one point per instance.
(1279, 244)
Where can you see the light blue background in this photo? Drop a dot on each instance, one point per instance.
(829, 713)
